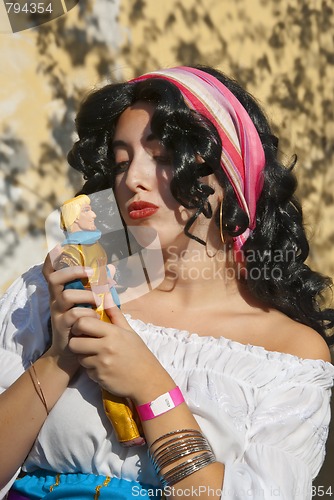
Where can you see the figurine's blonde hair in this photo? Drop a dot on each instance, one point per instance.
(70, 211)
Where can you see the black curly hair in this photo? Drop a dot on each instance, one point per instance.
(278, 245)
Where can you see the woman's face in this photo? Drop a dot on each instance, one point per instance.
(143, 175)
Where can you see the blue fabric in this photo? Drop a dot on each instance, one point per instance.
(115, 297)
(81, 238)
(80, 486)
(77, 285)
(113, 291)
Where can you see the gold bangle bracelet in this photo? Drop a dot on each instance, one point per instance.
(38, 387)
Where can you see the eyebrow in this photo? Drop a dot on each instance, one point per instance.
(123, 144)
(118, 144)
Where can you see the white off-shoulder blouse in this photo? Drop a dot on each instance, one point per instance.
(265, 414)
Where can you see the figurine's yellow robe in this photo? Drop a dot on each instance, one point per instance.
(95, 257)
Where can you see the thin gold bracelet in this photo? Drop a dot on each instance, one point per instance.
(38, 388)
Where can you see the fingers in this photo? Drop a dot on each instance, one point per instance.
(74, 314)
(66, 299)
(70, 273)
(92, 328)
(89, 363)
(57, 279)
(70, 298)
(86, 332)
(47, 267)
(55, 253)
(107, 300)
(117, 317)
(84, 346)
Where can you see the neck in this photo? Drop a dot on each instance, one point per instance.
(192, 274)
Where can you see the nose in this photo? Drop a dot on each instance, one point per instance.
(140, 173)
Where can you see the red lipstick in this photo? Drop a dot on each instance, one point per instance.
(141, 209)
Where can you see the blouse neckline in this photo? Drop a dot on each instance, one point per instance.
(187, 336)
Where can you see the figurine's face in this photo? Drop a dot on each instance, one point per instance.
(85, 221)
(143, 176)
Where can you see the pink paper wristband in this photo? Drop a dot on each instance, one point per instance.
(160, 405)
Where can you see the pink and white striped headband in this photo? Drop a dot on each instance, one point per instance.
(242, 156)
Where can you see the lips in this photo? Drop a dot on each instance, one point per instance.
(141, 209)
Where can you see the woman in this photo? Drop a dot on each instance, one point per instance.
(190, 155)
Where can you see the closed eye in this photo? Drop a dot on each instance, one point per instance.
(162, 160)
(121, 166)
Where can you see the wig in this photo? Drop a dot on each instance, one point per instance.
(276, 250)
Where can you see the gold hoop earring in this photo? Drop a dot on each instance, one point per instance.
(221, 223)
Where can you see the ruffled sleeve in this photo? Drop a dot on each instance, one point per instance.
(285, 439)
(23, 330)
(24, 314)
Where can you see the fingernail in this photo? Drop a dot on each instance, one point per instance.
(89, 271)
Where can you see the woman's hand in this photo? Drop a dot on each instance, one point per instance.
(117, 359)
(113, 354)
(62, 306)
